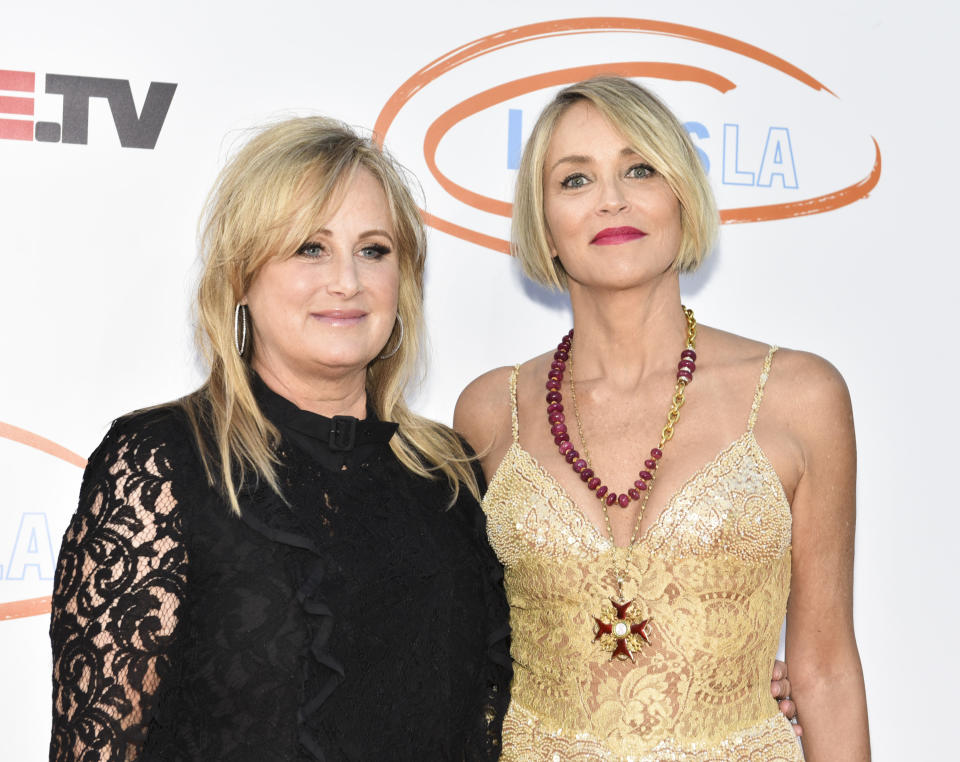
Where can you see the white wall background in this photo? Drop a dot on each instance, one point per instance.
(97, 256)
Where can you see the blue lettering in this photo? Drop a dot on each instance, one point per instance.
(32, 547)
(781, 163)
(732, 174)
(514, 144)
(697, 130)
(777, 160)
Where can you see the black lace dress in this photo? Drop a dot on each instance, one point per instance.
(361, 620)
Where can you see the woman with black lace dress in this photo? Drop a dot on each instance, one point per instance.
(287, 564)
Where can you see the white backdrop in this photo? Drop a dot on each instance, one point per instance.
(97, 243)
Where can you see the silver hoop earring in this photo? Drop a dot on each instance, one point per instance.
(240, 328)
(399, 341)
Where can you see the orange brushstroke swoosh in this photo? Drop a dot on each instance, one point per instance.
(24, 608)
(546, 29)
(28, 438)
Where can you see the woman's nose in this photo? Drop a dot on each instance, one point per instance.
(612, 198)
(344, 280)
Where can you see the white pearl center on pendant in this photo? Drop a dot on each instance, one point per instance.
(620, 629)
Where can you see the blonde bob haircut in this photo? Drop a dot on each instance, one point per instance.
(654, 133)
(266, 203)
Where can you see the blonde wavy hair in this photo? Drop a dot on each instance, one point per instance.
(654, 133)
(265, 204)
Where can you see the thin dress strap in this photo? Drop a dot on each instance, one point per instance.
(515, 418)
(758, 394)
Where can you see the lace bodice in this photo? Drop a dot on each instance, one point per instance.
(359, 620)
(712, 573)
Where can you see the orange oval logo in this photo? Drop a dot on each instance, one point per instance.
(778, 144)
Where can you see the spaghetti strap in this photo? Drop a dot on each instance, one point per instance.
(514, 417)
(758, 394)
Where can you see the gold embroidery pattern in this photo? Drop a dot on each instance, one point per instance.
(526, 739)
(713, 572)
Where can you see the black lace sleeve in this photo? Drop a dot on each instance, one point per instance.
(117, 597)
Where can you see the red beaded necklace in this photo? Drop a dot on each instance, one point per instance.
(619, 629)
(561, 437)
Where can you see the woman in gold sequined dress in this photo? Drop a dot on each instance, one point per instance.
(644, 620)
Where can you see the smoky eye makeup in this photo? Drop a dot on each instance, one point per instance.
(310, 249)
(375, 250)
(640, 170)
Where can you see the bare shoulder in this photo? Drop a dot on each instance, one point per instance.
(814, 388)
(799, 382)
(733, 349)
(482, 414)
(808, 401)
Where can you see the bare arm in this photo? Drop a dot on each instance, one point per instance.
(825, 671)
(482, 417)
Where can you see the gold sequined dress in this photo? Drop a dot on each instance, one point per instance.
(713, 573)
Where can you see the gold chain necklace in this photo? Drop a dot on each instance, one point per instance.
(619, 630)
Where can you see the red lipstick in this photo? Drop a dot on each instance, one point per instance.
(614, 236)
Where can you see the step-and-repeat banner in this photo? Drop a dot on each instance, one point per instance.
(826, 131)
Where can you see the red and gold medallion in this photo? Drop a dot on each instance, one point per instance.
(621, 632)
